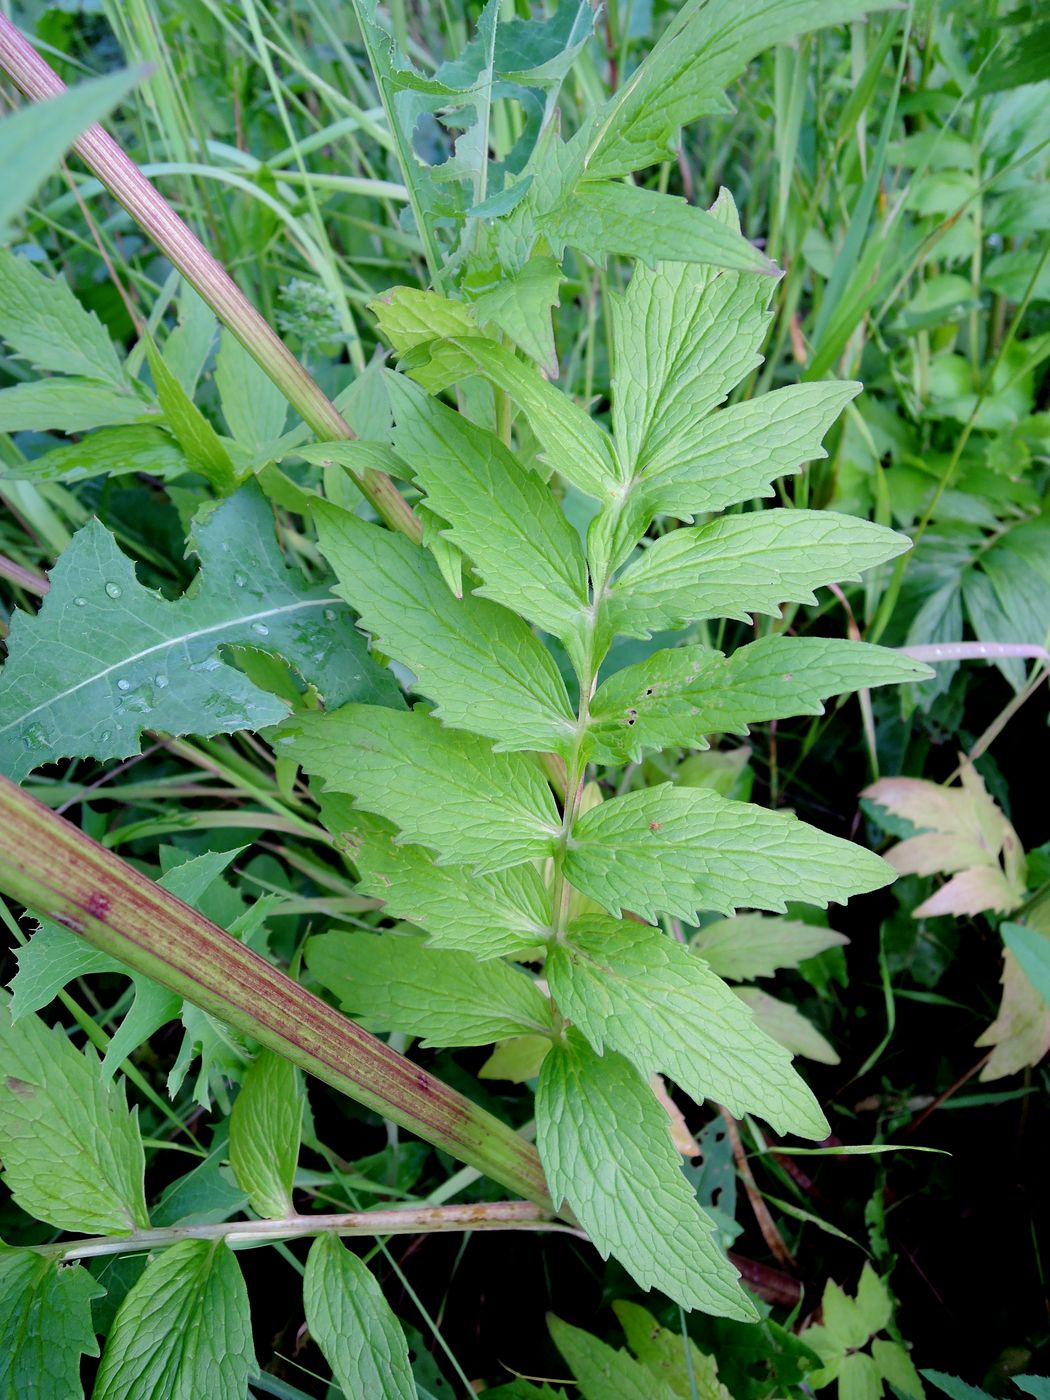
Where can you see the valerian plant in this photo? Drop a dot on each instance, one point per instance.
(458, 780)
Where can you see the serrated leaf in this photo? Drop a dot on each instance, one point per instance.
(633, 989)
(677, 850)
(601, 1372)
(896, 1368)
(265, 1128)
(70, 1147)
(756, 945)
(254, 408)
(502, 516)
(693, 1376)
(479, 663)
(352, 1323)
(742, 564)
(45, 1320)
(700, 52)
(954, 1387)
(183, 1331)
(390, 983)
(43, 322)
(520, 305)
(859, 1378)
(487, 915)
(34, 139)
(68, 405)
(409, 317)
(1031, 948)
(445, 789)
(106, 658)
(517, 1059)
(196, 436)
(603, 1140)
(676, 698)
(786, 1025)
(109, 452)
(1020, 1034)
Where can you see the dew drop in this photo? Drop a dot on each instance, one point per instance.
(80, 602)
(261, 629)
(240, 579)
(329, 614)
(123, 685)
(114, 590)
(35, 737)
(106, 737)
(160, 681)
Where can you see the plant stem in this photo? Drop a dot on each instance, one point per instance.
(408, 1220)
(126, 183)
(57, 871)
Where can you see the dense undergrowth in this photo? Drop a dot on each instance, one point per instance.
(663, 634)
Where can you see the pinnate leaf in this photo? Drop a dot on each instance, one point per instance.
(352, 1323)
(603, 1140)
(679, 850)
(183, 1331)
(400, 984)
(631, 988)
(445, 789)
(45, 1320)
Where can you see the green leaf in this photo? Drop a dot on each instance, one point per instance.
(601, 1372)
(44, 323)
(701, 51)
(71, 1148)
(603, 1140)
(70, 406)
(600, 217)
(109, 452)
(501, 515)
(954, 1387)
(409, 317)
(34, 139)
(45, 1320)
(741, 564)
(508, 911)
(390, 983)
(352, 1323)
(196, 436)
(633, 989)
(897, 1369)
(520, 304)
(674, 699)
(105, 658)
(254, 408)
(479, 663)
(1032, 950)
(183, 1331)
(859, 1378)
(787, 1026)
(265, 1128)
(693, 1376)
(873, 1300)
(677, 850)
(755, 945)
(445, 789)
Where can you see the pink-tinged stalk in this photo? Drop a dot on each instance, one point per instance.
(155, 216)
(57, 871)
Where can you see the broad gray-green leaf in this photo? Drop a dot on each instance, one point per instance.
(787, 1026)
(479, 663)
(602, 217)
(679, 850)
(184, 1331)
(109, 452)
(635, 990)
(445, 789)
(603, 1140)
(44, 323)
(70, 1147)
(486, 915)
(45, 1320)
(265, 1127)
(706, 45)
(502, 516)
(755, 945)
(254, 408)
(742, 564)
(674, 699)
(390, 983)
(601, 1372)
(573, 444)
(196, 436)
(106, 658)
(352, 1323)
(67, 405)
(34, 139)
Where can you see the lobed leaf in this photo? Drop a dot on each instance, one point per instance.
(43, 322)
(45, 1320)
(603, 1373)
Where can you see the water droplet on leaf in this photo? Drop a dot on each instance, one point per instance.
(114, 590)
(80, 602)
(35, 737)
(240, 579)
(329, 614)
(160, 680)
(261, 629)
(123, 685)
